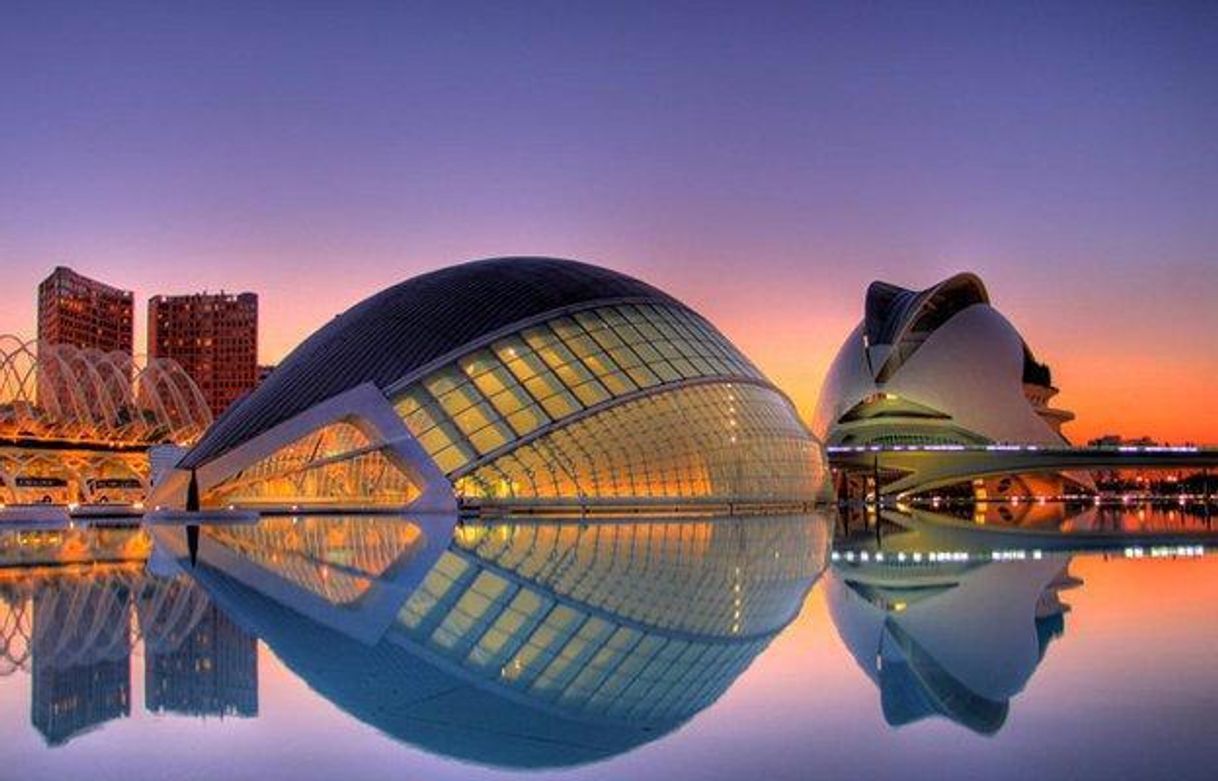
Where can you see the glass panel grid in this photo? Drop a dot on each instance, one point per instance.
(336, 464)
(491, 397)
(719, 440)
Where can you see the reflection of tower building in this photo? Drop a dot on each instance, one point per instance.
(67, 702)
(212, 672)
(955, 640)
(81, 658)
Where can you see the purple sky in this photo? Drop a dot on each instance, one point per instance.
(763, 163)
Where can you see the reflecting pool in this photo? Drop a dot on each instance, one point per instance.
(778, 646)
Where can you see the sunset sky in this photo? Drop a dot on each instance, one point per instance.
(763, 163)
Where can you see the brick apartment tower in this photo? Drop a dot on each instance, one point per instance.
(214, 336)
(76, 310)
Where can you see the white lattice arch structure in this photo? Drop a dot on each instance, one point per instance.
(62, 393)
(92, 612)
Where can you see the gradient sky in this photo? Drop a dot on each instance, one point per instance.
(761, 162)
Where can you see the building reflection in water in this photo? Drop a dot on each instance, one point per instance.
(957, 639)
(210, 669)
(983, 527)
(81, 657)
(519, 643)
(73, 628)
(1079, 516)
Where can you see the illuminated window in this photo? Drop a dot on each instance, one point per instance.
(700, 441)
(493, 396)
(336, 464)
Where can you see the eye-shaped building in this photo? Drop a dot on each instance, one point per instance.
(504, 381)
(522, 644)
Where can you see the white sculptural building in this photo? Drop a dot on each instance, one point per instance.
(942, 366)
(76, 424)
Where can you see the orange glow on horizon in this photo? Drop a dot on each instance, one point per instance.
(1122, 369)
(1108, 390)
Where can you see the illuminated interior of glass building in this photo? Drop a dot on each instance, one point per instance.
(575, 386)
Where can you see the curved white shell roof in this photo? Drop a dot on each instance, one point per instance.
(968, 366)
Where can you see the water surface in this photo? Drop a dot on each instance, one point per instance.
(657, 648)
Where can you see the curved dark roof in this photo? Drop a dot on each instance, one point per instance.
(894, 315)
(917, 686)
(891, 309)
(405, 327)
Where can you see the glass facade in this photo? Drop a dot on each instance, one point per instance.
(719, 441)
(683, 428)
(713, 577)
(523, 382)
(614, 404)
(336, 464)
(643, 621)
(337, 559)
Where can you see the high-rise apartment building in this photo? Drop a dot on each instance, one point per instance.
(76, 310)
(214, 336)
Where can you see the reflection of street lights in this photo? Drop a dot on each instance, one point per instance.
(1205, 492)
(875, 467)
